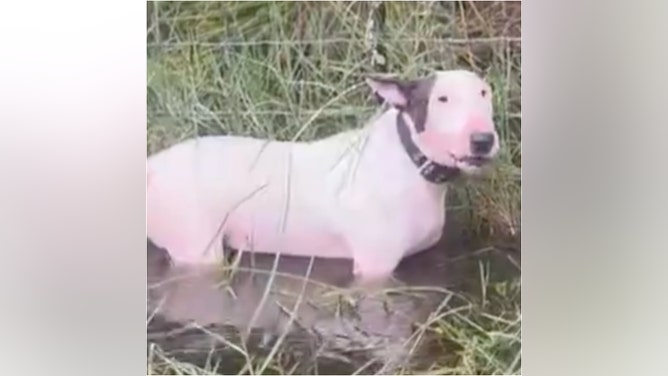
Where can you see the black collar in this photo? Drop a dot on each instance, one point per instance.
(430, 170)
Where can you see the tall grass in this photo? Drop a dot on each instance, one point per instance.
(271, 69)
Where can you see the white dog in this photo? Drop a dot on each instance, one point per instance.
(373, 195)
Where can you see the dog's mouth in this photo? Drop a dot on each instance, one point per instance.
(474, 160)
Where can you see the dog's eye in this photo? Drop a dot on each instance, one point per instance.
(443, 99)
(483, 93)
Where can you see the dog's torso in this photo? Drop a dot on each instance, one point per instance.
(306, 199)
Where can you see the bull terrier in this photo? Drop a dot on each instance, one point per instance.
(374, 194)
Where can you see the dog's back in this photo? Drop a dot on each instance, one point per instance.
(267, 195)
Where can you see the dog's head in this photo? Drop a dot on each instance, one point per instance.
(450, 113)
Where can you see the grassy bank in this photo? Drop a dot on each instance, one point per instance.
(294, 70)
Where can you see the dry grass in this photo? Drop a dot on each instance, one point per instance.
(267, 68)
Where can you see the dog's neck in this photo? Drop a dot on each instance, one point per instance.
(389, 148)
(430, 170)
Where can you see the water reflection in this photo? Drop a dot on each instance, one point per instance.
(194, 310)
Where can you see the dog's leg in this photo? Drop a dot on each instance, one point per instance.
(376, 254)
(196, 242)
(369, 275)
(196, 249)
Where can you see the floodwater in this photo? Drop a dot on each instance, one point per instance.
(211, 316)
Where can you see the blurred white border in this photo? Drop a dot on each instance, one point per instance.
(72, 186)
(594, 216)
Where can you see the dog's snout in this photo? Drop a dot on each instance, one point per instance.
(482, 142)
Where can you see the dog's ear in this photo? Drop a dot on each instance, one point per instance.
(393, 90)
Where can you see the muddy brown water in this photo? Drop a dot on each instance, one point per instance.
(209, 316)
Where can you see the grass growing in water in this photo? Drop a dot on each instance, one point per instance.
(282, 69)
